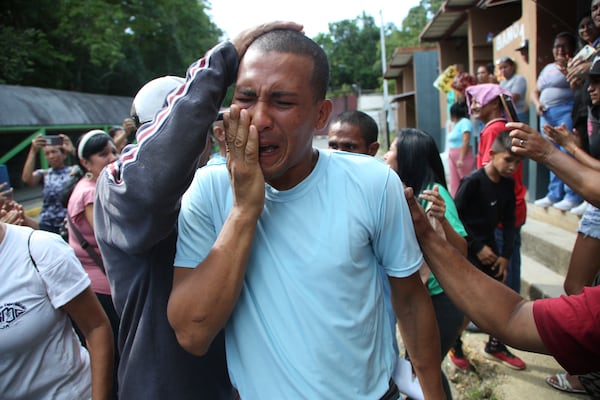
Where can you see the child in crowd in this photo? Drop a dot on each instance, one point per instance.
(485, 198)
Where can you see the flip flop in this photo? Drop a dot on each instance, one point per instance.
(560, 382)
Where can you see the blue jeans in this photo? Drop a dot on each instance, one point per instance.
(556, 116)
(513, 278)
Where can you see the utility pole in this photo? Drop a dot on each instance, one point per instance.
(386, 103)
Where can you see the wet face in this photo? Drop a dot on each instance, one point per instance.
(505, 163)
(97, 161)
(55, 156)
(594, 90)
(347, 137)
(275, 88)
(507, 69)
(391, 157)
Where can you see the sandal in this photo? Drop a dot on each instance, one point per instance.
(560, 382)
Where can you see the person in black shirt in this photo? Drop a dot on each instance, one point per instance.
(485, 198)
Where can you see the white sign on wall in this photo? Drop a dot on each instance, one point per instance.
(515, 32)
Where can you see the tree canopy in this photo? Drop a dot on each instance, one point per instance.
(101, 46)
(354, 46)
(114, 47)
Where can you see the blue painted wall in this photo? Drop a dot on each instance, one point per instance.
(427, 99)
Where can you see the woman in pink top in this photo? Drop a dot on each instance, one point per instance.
(95, 150)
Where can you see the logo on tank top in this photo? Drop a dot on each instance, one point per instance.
(9, 313)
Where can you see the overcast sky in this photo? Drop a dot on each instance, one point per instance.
(235, 16)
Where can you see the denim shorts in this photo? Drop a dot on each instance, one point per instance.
(590, 222)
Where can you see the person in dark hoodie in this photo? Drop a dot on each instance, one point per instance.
(135, 221)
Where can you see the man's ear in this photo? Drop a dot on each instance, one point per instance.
(325, 109)
(373, 148)
(219, 132)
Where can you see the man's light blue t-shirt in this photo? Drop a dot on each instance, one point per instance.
(310, 321)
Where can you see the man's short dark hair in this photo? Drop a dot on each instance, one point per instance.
(363, 121)
(294, 42)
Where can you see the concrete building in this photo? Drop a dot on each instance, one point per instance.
(475, 32)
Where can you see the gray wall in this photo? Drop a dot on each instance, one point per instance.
(428, 98)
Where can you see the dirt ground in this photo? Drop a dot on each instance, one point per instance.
(494, 381)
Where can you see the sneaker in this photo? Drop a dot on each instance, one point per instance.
(543, 202)
(580, 209)
(460, 362)
(564, 205)
(503, 355)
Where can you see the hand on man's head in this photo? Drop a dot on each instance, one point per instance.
(527, 142)
(247, 180)
(245, 38)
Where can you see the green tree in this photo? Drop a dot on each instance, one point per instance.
(162, 40)
(413, 24)
(352, 48)
(101, 46)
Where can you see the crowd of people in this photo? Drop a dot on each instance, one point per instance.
(171, 261)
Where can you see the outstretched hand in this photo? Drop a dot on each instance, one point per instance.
(560, 135)
(247, 180)
(245, 38)
(527, 142)
(12, 212)
(5, 194)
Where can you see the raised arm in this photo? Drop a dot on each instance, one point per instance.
(527, 142)
(151, 178)
(494, 307)
(567, 139)
(27, 176)
(143, 188)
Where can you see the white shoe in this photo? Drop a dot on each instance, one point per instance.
(543, 202)
(564, 205)
(580, 209)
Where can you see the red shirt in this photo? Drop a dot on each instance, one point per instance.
(570, 329)
(487, 137)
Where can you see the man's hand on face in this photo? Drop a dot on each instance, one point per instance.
(247, 180)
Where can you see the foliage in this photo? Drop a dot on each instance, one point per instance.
(114, 46)
(354, 47)
(101, 46)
